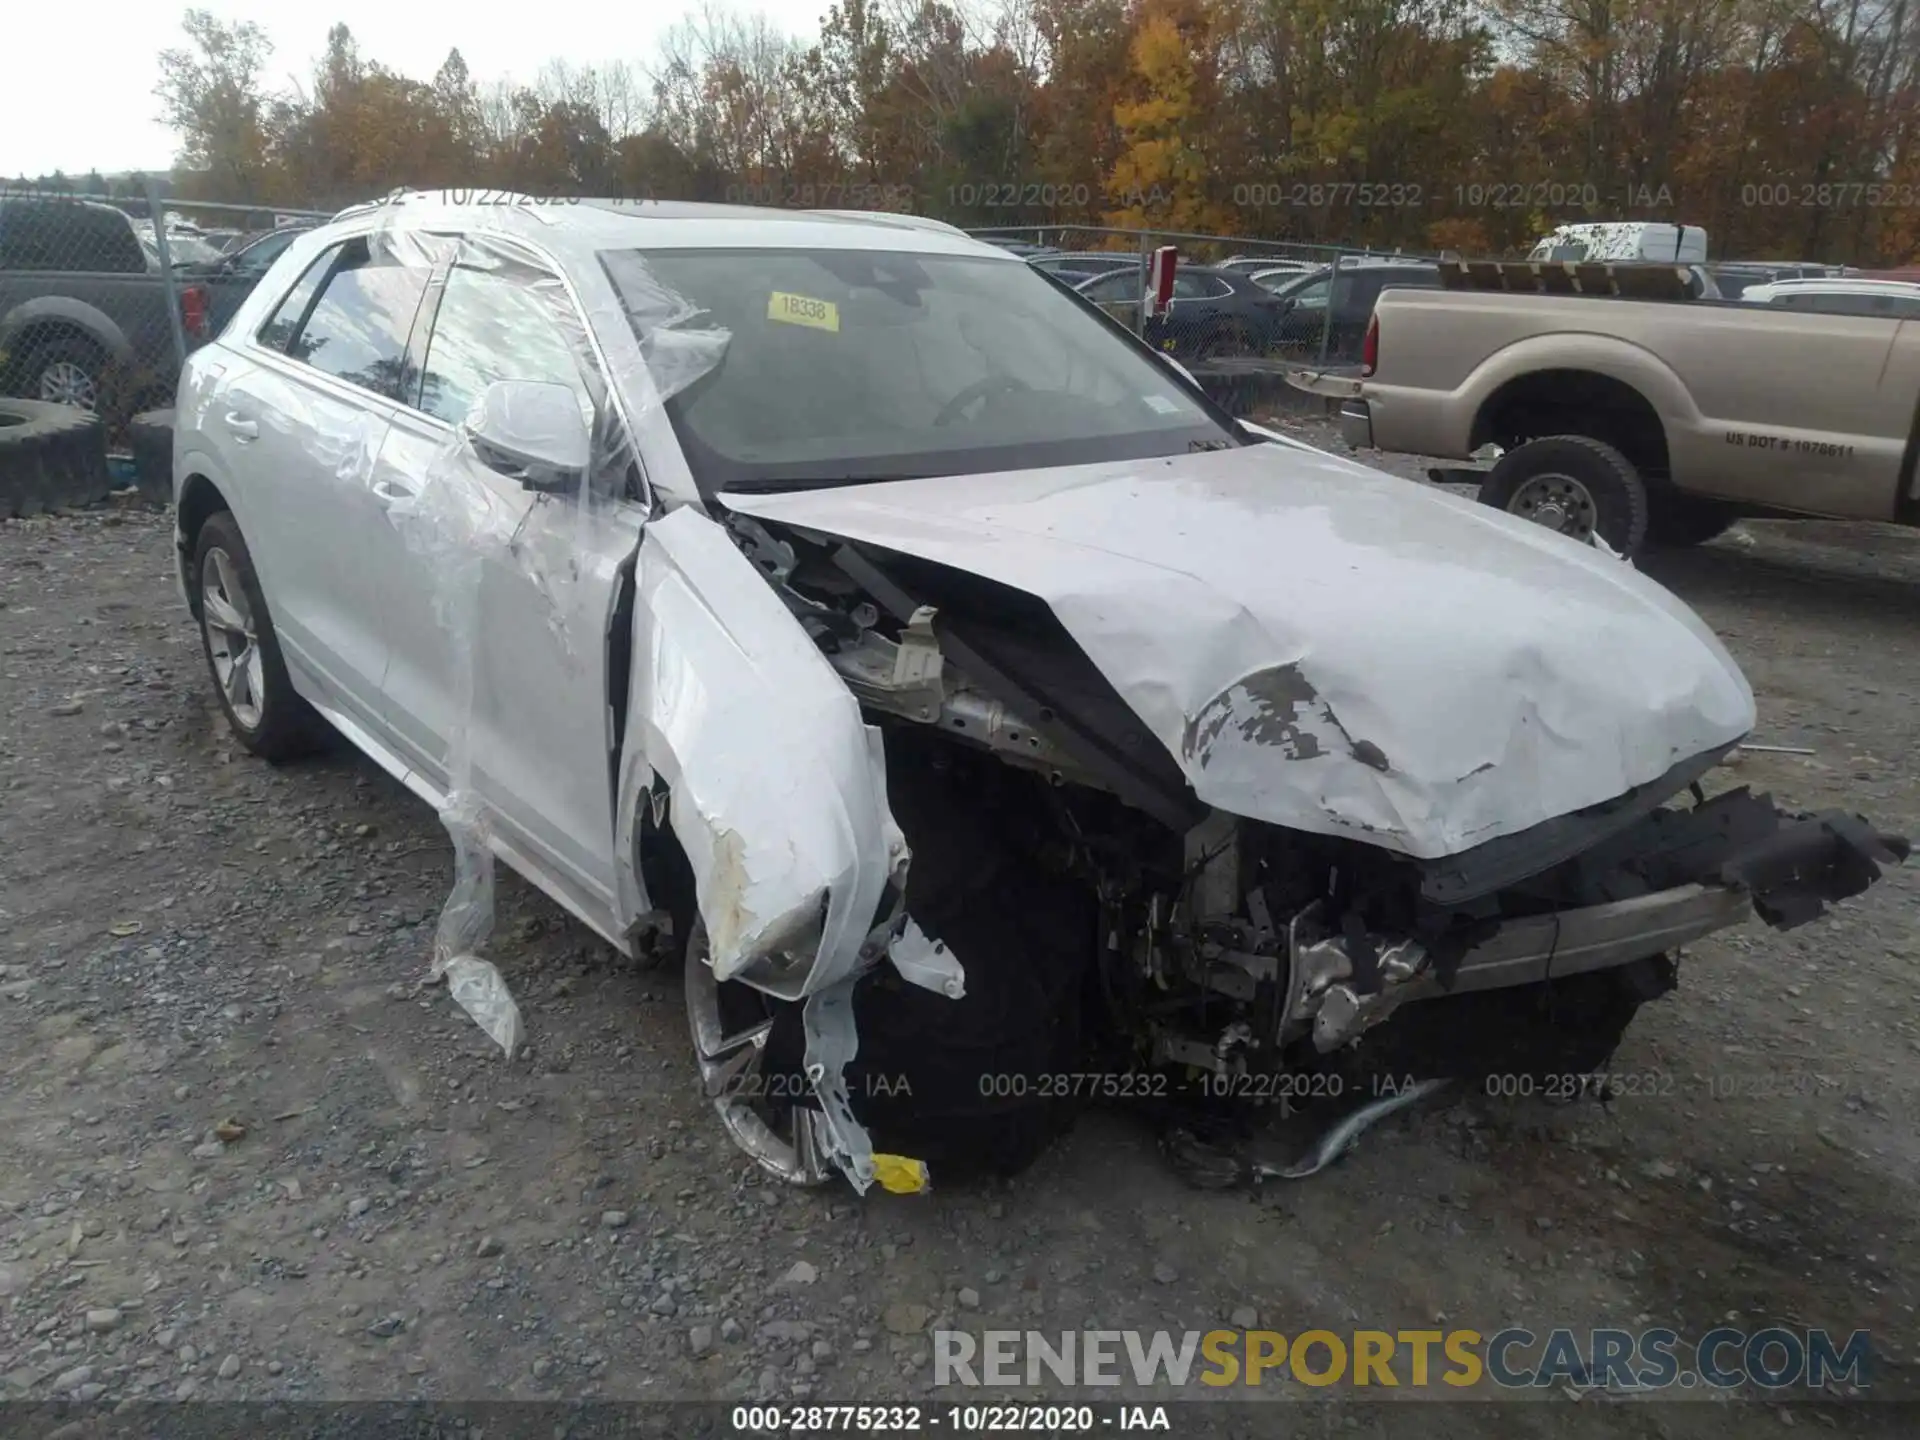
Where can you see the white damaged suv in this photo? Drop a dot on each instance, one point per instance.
(988, 721)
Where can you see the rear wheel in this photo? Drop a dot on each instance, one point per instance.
(243, 653)
(1575, 485)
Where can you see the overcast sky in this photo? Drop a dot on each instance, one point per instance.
(78, 89)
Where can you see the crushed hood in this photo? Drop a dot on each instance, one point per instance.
(1325, 647)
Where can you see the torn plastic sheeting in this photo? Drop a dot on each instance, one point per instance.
(832, 1045)
(926, 962)
(778, 785)
(463, 517)
(1489, 674)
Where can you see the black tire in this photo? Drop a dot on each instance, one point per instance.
(51, 457)
(150, 436)
(1676, 522)
(279, 725)
(970, 1085)
(1619, 498)
(41, 362)
(1541, 1034)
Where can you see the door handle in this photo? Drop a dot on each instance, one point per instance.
(243, 429)
(388, 491)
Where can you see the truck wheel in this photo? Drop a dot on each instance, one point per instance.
(1678, 521)
(1574, 484)
(66, 370)
(50, 456)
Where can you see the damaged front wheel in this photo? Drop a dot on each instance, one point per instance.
(761, 1105)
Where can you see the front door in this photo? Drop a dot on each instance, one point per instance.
(497, 671)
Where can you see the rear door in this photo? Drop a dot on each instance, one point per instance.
(497, 673)
(301, 427)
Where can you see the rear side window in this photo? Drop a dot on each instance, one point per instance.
(493, 326)
(284, 324)
(359, 326)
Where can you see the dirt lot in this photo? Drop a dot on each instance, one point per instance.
(193, 938)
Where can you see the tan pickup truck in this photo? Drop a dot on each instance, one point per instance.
(1649, 422)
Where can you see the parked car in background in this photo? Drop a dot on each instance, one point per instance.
(1734, 277)
(1623, 240)
(1267, 264)
(1350, 292)
(1074, 267)
(1023, 248)
(1213, 313)
(183, 249)
(254, 252)
(955, 694)
(1277, 278)
(83, 311)
(1647, 422)
(1899, 298)
(230, 277)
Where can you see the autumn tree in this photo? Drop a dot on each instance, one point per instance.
(210, 93)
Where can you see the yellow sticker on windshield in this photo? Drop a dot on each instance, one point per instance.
(803, 310)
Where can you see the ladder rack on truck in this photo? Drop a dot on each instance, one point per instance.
(1634, 280)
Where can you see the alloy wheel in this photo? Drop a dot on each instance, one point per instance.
(66, 383)
(785, 1136)
(232, 639)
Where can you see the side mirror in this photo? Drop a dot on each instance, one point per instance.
(532, 431)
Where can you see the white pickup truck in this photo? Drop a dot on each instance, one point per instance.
(1645, 421)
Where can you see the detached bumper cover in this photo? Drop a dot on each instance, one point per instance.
(1790, 866)
(1678, 876)
(1794, 873)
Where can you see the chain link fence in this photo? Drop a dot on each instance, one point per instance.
(1243, 311)
(103, 296)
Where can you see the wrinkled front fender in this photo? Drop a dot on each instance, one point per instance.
(776, 785)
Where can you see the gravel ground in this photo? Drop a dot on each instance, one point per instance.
(249, 1153)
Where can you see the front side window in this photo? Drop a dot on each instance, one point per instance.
(843, 366)
(359, 326)
(493, 325)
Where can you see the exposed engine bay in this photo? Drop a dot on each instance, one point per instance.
(1075, 924)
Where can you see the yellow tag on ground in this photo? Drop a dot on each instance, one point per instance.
(803, 310)
(899, 1175)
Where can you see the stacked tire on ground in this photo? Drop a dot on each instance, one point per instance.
(150, 437)
(52, 457)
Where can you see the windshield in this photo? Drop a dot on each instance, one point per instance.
(853, 365)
